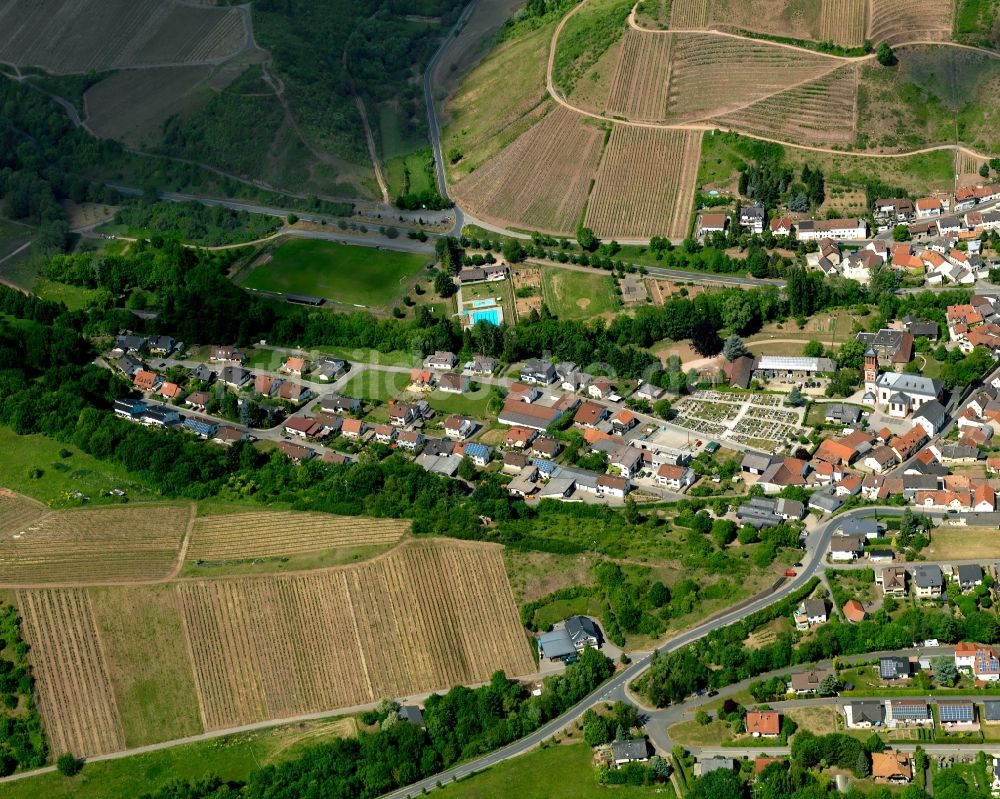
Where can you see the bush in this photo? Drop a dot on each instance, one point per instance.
(68, 765)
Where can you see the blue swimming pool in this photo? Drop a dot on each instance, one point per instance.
(492, 316)
(483, 303)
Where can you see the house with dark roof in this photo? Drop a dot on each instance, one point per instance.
(957, 715)
(630, 751)
(740, 372)
(840, 413)
(921, 328)
(538, 372)
(893, 668)
(931, 416)
(968, 576)
(411, 714)
(893, 348)
(864, 714)
(808, 682)
(927, 581)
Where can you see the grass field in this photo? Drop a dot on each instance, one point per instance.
(819, 720)
(150, 670)
(963, 543)
(345, 273)
(230, 758)
(570, 294)
(412, 173)
(12, 236)
(24, 456)
(691, 733)
(556, 772)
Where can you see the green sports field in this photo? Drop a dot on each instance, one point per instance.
(572, 294)
(343, 273)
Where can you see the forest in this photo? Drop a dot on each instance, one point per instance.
(193, 222)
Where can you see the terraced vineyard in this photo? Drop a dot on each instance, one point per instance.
(645, 185)
(72, 687)
(542, 179)
(797, 20)
(406, 622)
(894, 21)
(843, 22)
(94, 545)
(269, 534)
(707, 73)
(822, 112)
(642, 78)
(66, 36)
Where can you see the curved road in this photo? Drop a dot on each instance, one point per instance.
(615, 688)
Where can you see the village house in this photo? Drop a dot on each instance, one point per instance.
(927, 581)
(892, 767)
(225, 354)
(808, 682)
(519, 437)
(295, 452)
(675, 478)
(409, 439)
(623, 421)
(711, 223)
(784, 226)
(892, 581)
(763, 724)
(809, 613)
(957, 715)
(160, 416)
(908, 712)
(294, 366)
(453, 384)
(851, 229)
(863, 715)
(441, 360)
(458, 427)
(402, 414)
(353, 428)
(483, 365)
(146, 380)
(479, 454)
(293, 392)
(538, 372)
(752, 218)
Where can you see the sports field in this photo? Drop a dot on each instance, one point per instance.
(570, 294)
(343, 273)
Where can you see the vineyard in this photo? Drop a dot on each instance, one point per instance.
(73, 689)
(270, 534)
(542, 179)
(94, 545)
(690, 14)
(410, 621)
(774, 17)
(894, 21)
(822, 112)
(645, 185)
(706, 72)
(65, 36)
(967, 168)
(18, 511)
(843, 22)
(639, 88)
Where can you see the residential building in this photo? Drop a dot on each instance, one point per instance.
(533, 415)
(675, 478)
(908, 712)
(892, 767)
(224, 354)
(927, 581)
(892, 581)
(623, 421)
(635, 750)
(201, 427)
(145, 380)
(293, 392)
(610, 485)
(763, 724)
(328, 368)
(854, 611)
(409, 439)
(957, 715)
(441, 360)
(839, 413)
(711, 223)
(893, 348)
(235, 377)
(458, 427)
(864, 714)
(706, 765)
(752, 217)
(479, 454)
(384, 433)
(893, 667)
(334, 403)
(519, 437)
(483, 365)
(353, 428)
(402, 414)
(589, 414)
(931, 416)
(837, 229)
(538, 372)
(846, 548)
(808, 682)
(809, 613)
(294, 366)
(453, 384)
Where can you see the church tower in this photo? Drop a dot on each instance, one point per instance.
(871, 371)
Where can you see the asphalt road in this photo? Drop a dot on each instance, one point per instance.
(615, 688)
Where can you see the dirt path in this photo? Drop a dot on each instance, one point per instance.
(188, 532)
(373, 154)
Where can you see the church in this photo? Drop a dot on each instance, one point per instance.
(898, 393)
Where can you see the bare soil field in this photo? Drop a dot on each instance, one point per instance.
(18, 511)
(94, 545)
(705, 70)
(542, 179)
(662, 290)
(645, 185)
(73, 689)
(894, 21)
(403, 623)
(798, 19)
(132, 105)
(642, 78)
(275, 533)
(822, 112)
(967, 169)
(66, 36)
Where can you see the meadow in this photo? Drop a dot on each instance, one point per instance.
(571, 294)
(345, 273)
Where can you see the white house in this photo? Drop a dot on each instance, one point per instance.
(674, 478)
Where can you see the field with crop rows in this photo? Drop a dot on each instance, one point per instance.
(542, 179)
(843, 22)
(132, 105)
(822, 112)
(269, 534)
(73, 689)
(65, 36)
(688, 14)
(266, 647)
(94, 545)
(645, 185)
(798, 20)
(903, 20)
(18, 511)
(639, 88)
(705, 76)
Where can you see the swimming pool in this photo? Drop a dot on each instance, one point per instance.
(492, 316)
(483, 303)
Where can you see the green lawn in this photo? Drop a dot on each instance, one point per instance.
(410, 174)
(570, 294)
(376, 384)
(59, 475)
(230, 758)
(470, 404)
(344, 273)
(558, 772)
(74, 297)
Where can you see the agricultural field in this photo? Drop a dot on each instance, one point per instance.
(73, 687)
(142, 638)
(344, 273)
(703, 67)
(572, 294)
(65, 36)
(95, 545)
(895, 21)
(645, 185)
(415, 613)
(498, 101)
(639, 89)
(131, 105)
(820, 112)
(843, 22)
(542, 179)
(18, 511)
(269, 534)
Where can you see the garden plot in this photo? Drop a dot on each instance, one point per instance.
(760, 421)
